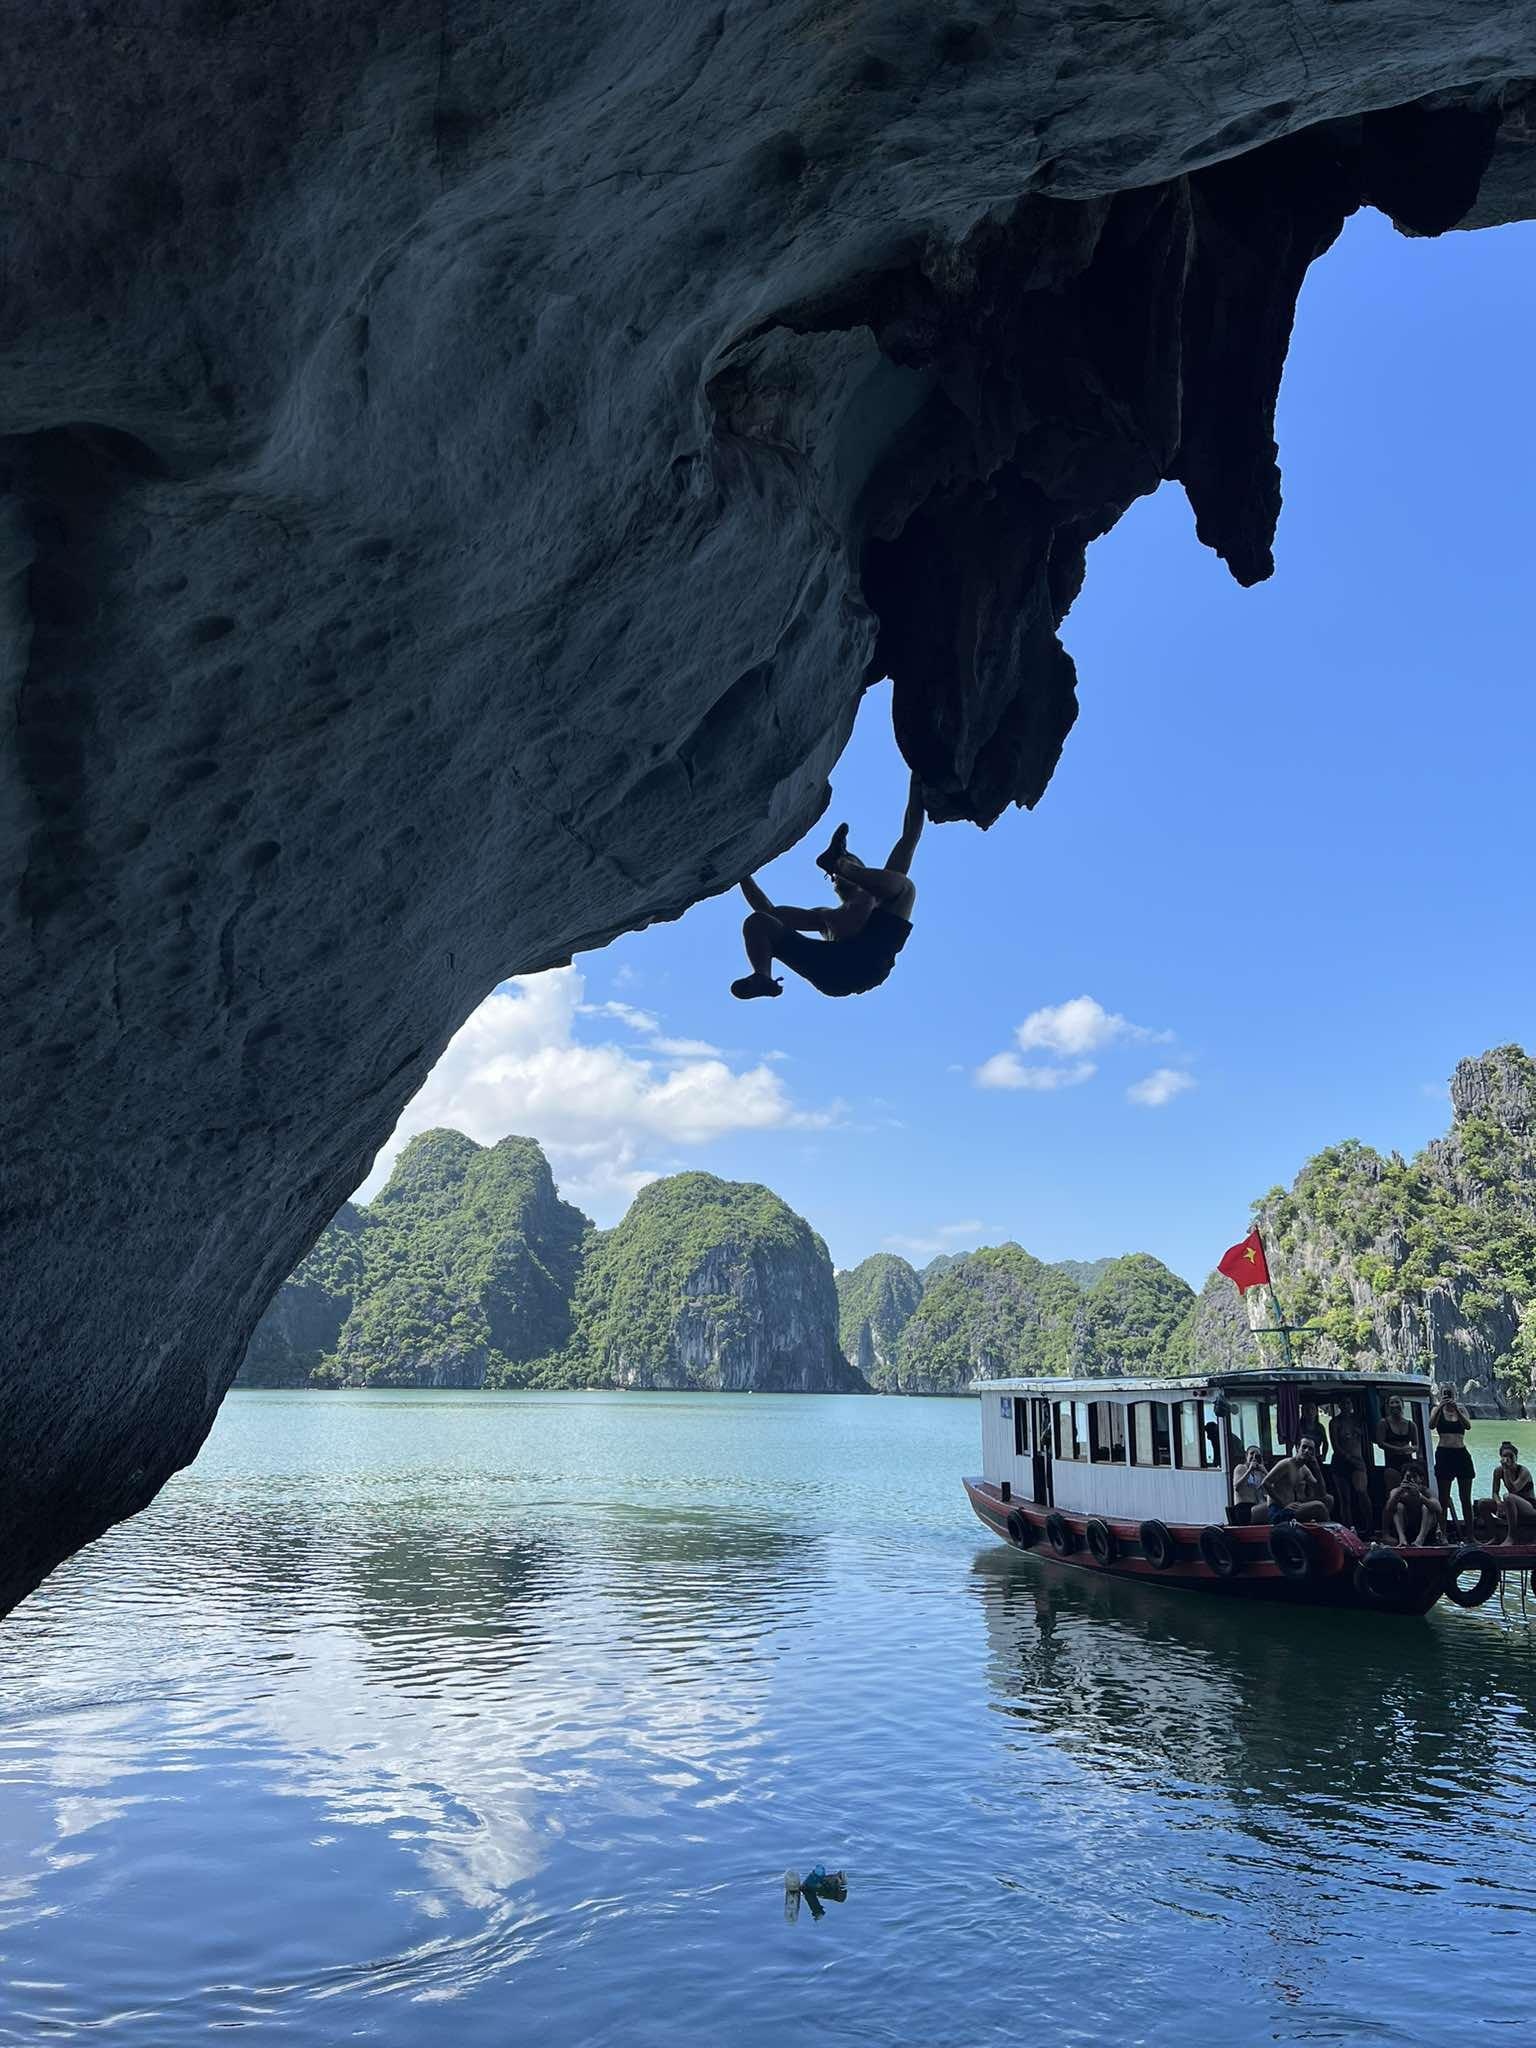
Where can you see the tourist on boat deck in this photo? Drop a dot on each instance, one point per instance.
(1312, 1433)
(1351, 1485)
(860, 935)
(1294, 1489)
(1248, 1480)
(1395, 1434)
(1517, 1511)
(1453, 1461)
(1410, 1501)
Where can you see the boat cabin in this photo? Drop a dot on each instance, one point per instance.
(1168, 1449)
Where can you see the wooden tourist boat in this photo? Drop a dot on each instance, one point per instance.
(1134, 1479)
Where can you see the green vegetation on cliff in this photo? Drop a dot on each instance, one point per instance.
(1000, 1311)
(470, 1262)
(306, 1319)
(707, 1283)
(875, 1301)
(468, 1270)
(1426, 1265)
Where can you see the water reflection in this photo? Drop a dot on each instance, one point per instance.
(1282, 1708)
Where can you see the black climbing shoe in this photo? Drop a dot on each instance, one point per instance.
(837, 846)
(751, 985)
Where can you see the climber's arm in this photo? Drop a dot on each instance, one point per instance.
(911, 830)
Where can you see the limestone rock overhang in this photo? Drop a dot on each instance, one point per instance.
(461, 465)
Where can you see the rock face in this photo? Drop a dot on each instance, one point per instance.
(709, 1284)
(1423, 1266)
(461, 464)
(875, 1299)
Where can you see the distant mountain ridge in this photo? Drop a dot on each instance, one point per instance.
(999, 1310)
(470, 1270)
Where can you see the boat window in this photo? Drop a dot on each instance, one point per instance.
(1080, 1436)
(1151, 1443)
(1020, 1427)
(1196, 1445)
(1250, 1425)
(1064, 1430)
(1107, 1432)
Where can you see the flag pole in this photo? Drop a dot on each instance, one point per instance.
(1282, 1327)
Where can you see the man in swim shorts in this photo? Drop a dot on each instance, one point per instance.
(1294, 1489)
(860, 936)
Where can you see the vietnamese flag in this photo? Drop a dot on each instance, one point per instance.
(1245, 1265)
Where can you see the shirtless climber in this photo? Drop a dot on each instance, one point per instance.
(860, 937)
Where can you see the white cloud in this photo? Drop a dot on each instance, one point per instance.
(1159, 1087)
(611, 1117)
(1079, 1026)
(1007, 1070)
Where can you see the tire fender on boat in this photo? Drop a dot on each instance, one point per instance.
(1021, 1530)
(1382, 1576)
(1060, 1537)
(1221, 1554)
(1293, 1550)
(1471, 1558)
(1101, 1541)
(1158, 1546)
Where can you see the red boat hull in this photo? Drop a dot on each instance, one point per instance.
(1332, 1578)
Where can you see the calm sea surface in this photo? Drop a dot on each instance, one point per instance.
(431, 1719)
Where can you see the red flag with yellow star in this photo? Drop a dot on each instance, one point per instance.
(1245, 1265)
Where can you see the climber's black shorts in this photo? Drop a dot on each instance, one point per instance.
(846, 967)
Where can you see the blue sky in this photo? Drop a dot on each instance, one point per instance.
(1288, 847)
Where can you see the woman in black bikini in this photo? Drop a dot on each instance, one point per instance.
(1453, 1461)
(1398, 1440)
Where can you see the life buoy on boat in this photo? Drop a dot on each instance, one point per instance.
(1062, 1541)
(1382, 1576)
(1101, 1541)
(1021, 1530)
(1157, 1545)
(1221, 1554)
(1471, 1558)
(1290, 1545)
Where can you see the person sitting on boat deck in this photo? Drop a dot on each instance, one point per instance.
(1312, 1433)
(860, 936)
(1351, 1485)
(1411, 1498)
(1399, 1444)
(1295, 1493)
(1453, 1461)
(1248, 1481)
(1517, 1511)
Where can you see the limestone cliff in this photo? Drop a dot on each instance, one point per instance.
(459, 465)
(1422, 1266)
(1000, 1311)
(464, 1270)
(710, 1284)
(875, 1299)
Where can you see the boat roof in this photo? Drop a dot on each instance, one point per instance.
(1251, 1380)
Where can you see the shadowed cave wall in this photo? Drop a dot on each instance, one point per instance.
(460, 466)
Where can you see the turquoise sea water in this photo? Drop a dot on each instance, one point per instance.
(430, 1719)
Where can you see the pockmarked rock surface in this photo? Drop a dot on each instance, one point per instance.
(461, 464)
